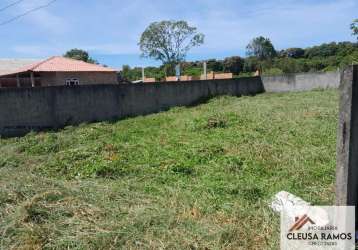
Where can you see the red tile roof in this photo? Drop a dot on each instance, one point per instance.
(62, 64)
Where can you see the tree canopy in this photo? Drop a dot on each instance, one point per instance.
(292, 52)
(233, 64)
(80, 54)
(354, 28)
(261, 48)
(169, 41)
(324, 57)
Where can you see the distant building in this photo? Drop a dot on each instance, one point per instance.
(56, 71)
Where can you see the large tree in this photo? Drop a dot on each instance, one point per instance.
(214, 65)
(233, 64)
(354, 28)
(80, 54)
(261, 48)
(293, 53)
(169, 41)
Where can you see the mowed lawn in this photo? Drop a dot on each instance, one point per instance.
(189, 178)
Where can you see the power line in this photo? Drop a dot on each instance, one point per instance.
(10, 5)
(27, 12)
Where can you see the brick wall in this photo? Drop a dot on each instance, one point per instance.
(148, 80)
(223, 75)
(171, 79)
(85, 78)
(213, 75)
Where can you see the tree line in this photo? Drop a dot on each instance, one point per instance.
(321, 58)
(170, 41)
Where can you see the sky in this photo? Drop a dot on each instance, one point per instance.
(110, 29)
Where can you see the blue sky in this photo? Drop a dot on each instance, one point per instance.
(110, 29)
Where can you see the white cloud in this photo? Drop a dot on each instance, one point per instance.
(114, 27)
(43, 18)
(287, 24)
(36, 50)
(109, 48)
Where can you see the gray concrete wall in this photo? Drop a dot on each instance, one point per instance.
(301, 82)
(347, 141)
(26, 109)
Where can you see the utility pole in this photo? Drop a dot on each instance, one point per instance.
(177, 71)
(18, 81)
(143, 77)
(205, 71)
(32, 77)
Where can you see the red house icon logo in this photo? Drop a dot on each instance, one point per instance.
(300, 222)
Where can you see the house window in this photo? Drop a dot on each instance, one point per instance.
(72, 82)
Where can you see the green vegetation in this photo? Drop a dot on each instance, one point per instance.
(322, 58)
(189, 178)
(354, 28)
(81, 55)
(169, 41)
(261, 48)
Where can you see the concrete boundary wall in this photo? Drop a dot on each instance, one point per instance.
(26, 109)
(301, 82)
(347, 141)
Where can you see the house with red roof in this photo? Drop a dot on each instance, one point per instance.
(57, 71)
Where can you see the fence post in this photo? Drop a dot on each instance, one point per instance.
(18, 81)
(32, 77)
(205, 71)
(143, 75)
(347, 140)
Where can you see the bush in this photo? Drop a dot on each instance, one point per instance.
(273, 72)
(329, 69)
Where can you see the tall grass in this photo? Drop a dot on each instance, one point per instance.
(189, 178)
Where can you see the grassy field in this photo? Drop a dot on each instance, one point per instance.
(189, 178)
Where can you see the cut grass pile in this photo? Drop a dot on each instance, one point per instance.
(189, 178)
